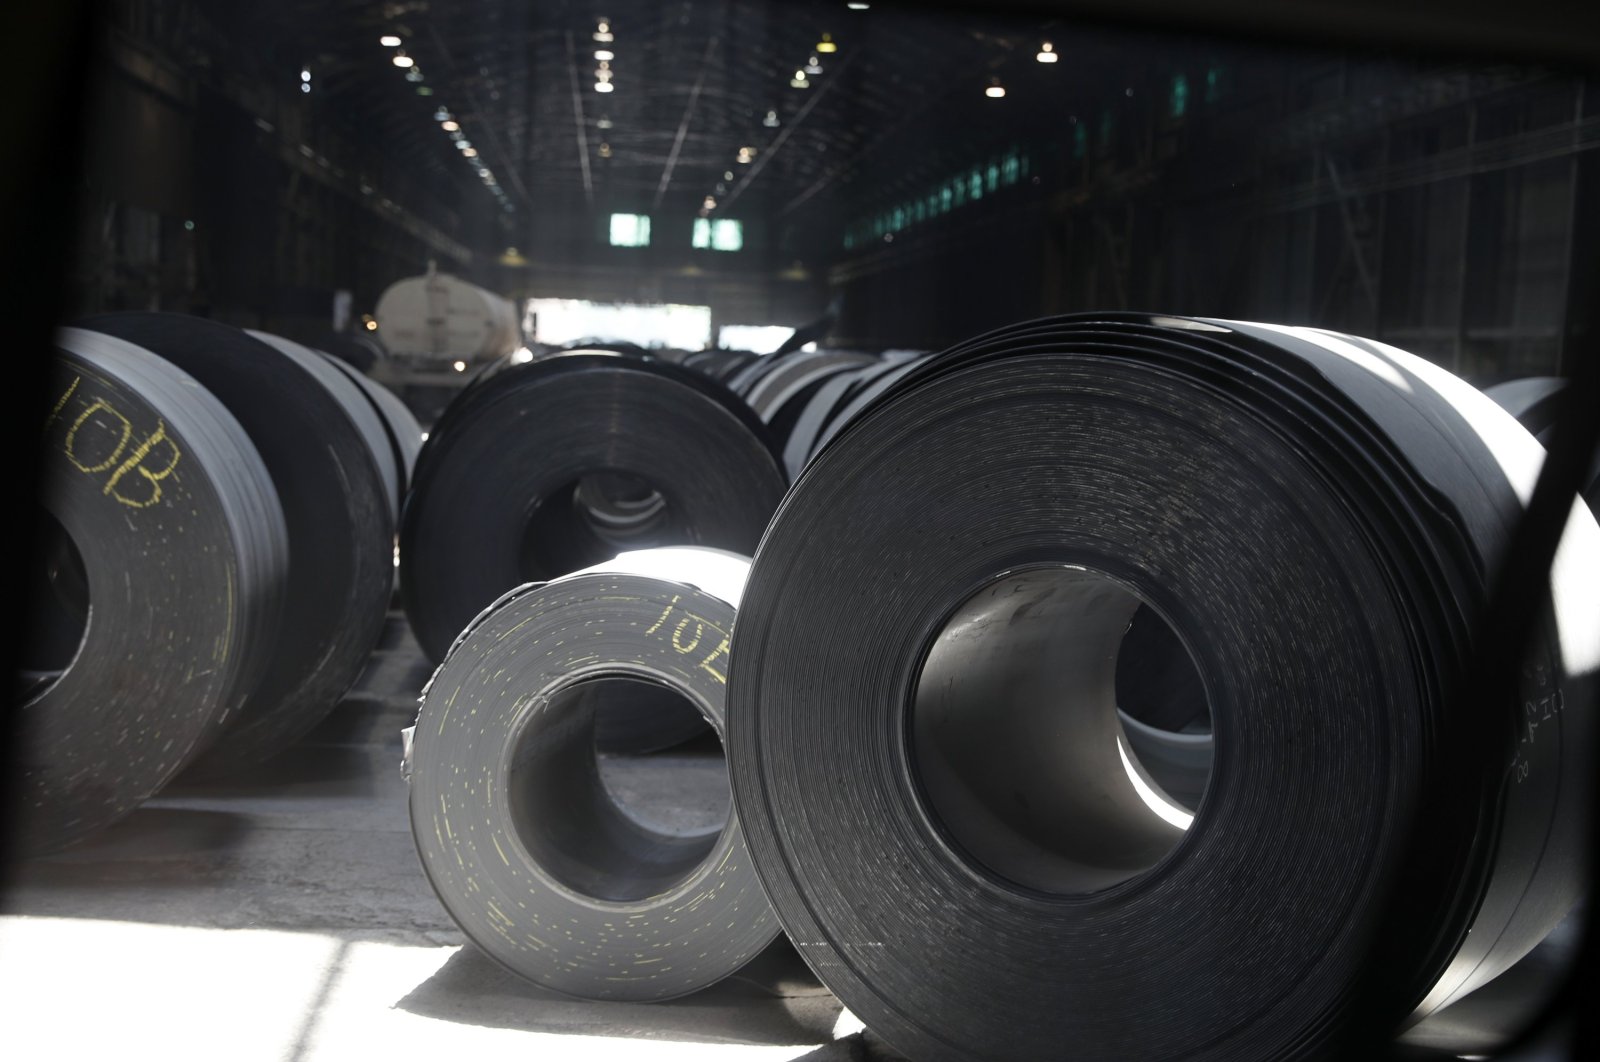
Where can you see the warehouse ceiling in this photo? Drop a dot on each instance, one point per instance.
(691, 84)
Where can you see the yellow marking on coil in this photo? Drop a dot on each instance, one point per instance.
(677, 640)
(721, 650)
(227, 630)
(70, 445)
(497, 848)
(134, 464)
(51, 419)
(448, 704)
(664, 614)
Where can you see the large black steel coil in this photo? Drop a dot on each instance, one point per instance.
(926, 752)
(157, 586)
(400, 426)
(341, 533)
(505, 489)
(1533, 400)
(834, 403)
(522, 837)
(339, 381)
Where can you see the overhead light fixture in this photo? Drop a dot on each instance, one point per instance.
(450, 125)
(995, 90)
(771, 120)
(602, 31)
(603, 86)
(403, 61)
(826, 45)
(605, 150)
(812, 66)
(389, 40)
(604, 65)
(604, 53)
(305, 73)
(424, 90)
(799, 80)
(441, 115)
(413, 75)
(746, 155)
(604, 122)
(463, 143)
(603, 74)
(709, 204)
(858, 6)
(459, 366)
(727, 175)
(1047, 53)
(471, 153)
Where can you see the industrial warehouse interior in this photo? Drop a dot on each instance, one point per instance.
(784, 529)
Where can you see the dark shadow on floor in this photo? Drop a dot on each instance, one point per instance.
(153, 834)
(306, 770)
(472, 989)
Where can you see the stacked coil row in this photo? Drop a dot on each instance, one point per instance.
(214, 562)
(1099, 681)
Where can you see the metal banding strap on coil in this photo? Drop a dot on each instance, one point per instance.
(517, 831)
(341, 534)
(923, 737)
(162, 572)
(492, 503)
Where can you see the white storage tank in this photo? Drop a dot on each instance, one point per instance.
(440, 318)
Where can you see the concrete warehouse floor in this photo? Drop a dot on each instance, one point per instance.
(284, 916)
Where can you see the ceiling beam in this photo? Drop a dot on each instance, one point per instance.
(783, 137)
(688, 115)
(577, 120)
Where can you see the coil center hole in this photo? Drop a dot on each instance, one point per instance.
(592, 519)
(58, 618)
(1021, 754)
(609, 825)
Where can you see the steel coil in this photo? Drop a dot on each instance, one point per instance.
(1533, 401)
(160, 586)
(529, 849)
(341, 534)
(493, 506)
(399, 426)
(935, 783)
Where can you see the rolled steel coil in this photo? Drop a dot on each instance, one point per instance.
(1533, 400)
(800, 371)
(399, 425)
(360, 410)
(332, 491)
(926, 754)
(834, 403)
(493, 506)
(161, 586)
(520, 836)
